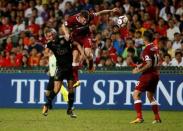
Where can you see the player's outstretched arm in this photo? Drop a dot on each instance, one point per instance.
(107, 11)
(66, 32)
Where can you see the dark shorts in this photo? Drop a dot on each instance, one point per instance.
(50, 85)
(74, 47)
(147, 82)
(62, 74)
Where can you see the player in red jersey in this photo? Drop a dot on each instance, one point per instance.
(148, 80)
(80, 33)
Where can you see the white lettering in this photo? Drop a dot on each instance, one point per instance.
(112, 93)
(129, 91)
(42, 91)
(180, 94)
(19, 89)
(59, 99)
(99, 92)
(31, 97)
(146, 100)
(168, 96)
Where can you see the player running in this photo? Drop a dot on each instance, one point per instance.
(61, 48)
(148, 80)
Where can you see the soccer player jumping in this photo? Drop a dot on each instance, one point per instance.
(79, 28)
(61, 48)
(148, 80)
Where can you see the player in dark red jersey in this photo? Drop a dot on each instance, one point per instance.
(148, 80)
(80, 33)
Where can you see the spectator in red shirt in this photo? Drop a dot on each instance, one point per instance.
(161, 28)
(34, 58)
(19, 56)
(9, 45)
(111, 50)
(6, 28)
(9, 60)
(2, 59)
(12, 61)
(147, 22)
(152, 10)
(33, 27)
(6, 59)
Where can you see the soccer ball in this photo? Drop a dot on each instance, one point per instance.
(122, 21)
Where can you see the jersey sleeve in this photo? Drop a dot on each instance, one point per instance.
(49, 45)
(147, 55)
(92, 16)
(70, 21)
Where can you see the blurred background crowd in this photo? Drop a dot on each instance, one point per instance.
(22, 25)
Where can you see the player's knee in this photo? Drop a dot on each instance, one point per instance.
(150, 97)
(75, 54)
(57, 88)
(88, 52)
(136, 95)
(89, 56)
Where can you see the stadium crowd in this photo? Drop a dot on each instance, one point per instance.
(22, 25)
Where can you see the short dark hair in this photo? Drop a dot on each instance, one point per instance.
(35, 9)
(131, 50)
(168, 55)
(148, 35)
(139, 32)
(176, 33)
(178, 52)
(85, 14)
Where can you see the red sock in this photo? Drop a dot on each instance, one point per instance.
(155, 109)
(138, 108)
(75, 73)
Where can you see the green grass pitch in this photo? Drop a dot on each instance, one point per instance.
(88, 120)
